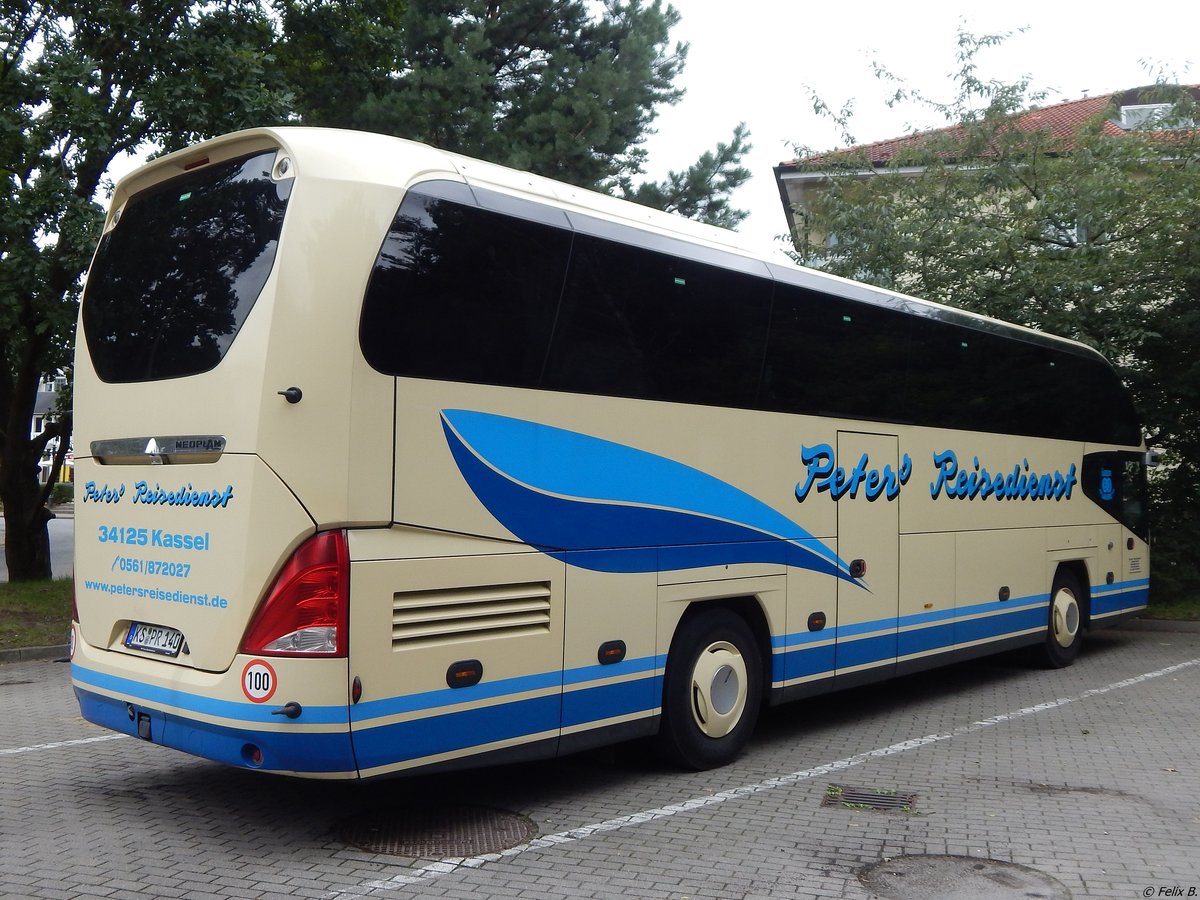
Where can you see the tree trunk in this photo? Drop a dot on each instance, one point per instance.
(26, 537)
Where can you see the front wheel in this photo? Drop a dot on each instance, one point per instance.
(712, 690)
(1064, 632)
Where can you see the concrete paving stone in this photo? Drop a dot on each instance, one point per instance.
(238, 890)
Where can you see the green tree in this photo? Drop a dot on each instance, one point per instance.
(81, 83)
(1091, 235)
(549, 88)
(701, 191)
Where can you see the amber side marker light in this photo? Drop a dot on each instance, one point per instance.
(611, 652)
(464, 673)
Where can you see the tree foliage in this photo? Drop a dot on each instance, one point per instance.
(1091, 235)
(564, 89)
(80, 84)
(701, 191)
(555, 89)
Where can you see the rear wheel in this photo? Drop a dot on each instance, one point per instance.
(1064, 632)
(712, 690)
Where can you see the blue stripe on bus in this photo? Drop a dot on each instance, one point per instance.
(1120, 586)
(485, 690)
(570, 464)
(841, 632)
(975, 609)
(610, 700)
(1003, 623)
(802, 663)
(864, 651)
(625, 667)
(706, 532)
(1133, 597)
(384, 745)
(798, 661)
(209, 706)
(289, 751)
(932, 637)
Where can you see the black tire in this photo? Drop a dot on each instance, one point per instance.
(712, 690)
(1064, 628)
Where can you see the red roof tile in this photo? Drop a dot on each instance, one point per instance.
(1062, 120)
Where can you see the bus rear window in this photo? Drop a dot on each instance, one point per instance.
(172, 283)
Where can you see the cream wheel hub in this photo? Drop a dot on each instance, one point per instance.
(1064, 617)
(719, 689)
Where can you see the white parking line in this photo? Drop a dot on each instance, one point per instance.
(13, 751)
(447, 866)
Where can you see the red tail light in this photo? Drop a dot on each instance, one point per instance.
(307, 610)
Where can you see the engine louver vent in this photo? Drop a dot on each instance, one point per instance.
(457, 614)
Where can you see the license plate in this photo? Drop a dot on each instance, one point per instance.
(154, 639)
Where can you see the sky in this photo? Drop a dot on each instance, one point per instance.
(761, 61)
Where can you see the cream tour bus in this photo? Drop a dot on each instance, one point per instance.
(390, 460)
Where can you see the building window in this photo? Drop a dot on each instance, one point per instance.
(1153, 117)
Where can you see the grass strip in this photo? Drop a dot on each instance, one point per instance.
(34, 613)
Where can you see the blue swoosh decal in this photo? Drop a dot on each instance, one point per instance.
(564, 492)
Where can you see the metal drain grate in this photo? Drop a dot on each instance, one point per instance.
(451, 831)
(847, 797)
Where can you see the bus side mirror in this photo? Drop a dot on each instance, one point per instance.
(1152, 458)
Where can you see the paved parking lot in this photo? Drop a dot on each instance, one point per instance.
(1089, 776)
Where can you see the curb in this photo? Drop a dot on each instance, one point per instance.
(28, 654)
(1179, 625)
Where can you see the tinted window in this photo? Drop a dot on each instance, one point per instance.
(835, 357)
(1092, 401)
(639, 323)
(481, 287)
(1117, 482)
(463, 294)
(963, 378)
(174, 280)
(972, 380)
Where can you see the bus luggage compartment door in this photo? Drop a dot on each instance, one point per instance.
(455, 655)
(868, 537)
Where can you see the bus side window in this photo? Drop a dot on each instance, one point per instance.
(835, 357)
(1117, 483)
(463, 294)
(639, 323)
(1134, 496)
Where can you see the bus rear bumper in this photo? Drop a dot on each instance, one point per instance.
(200, 713)
(309, 754)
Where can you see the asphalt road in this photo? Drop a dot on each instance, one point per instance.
(1084, 777)
(62, 547)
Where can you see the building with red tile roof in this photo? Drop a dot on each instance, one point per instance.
(1119, 113)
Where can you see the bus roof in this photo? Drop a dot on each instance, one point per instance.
(340, 154)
